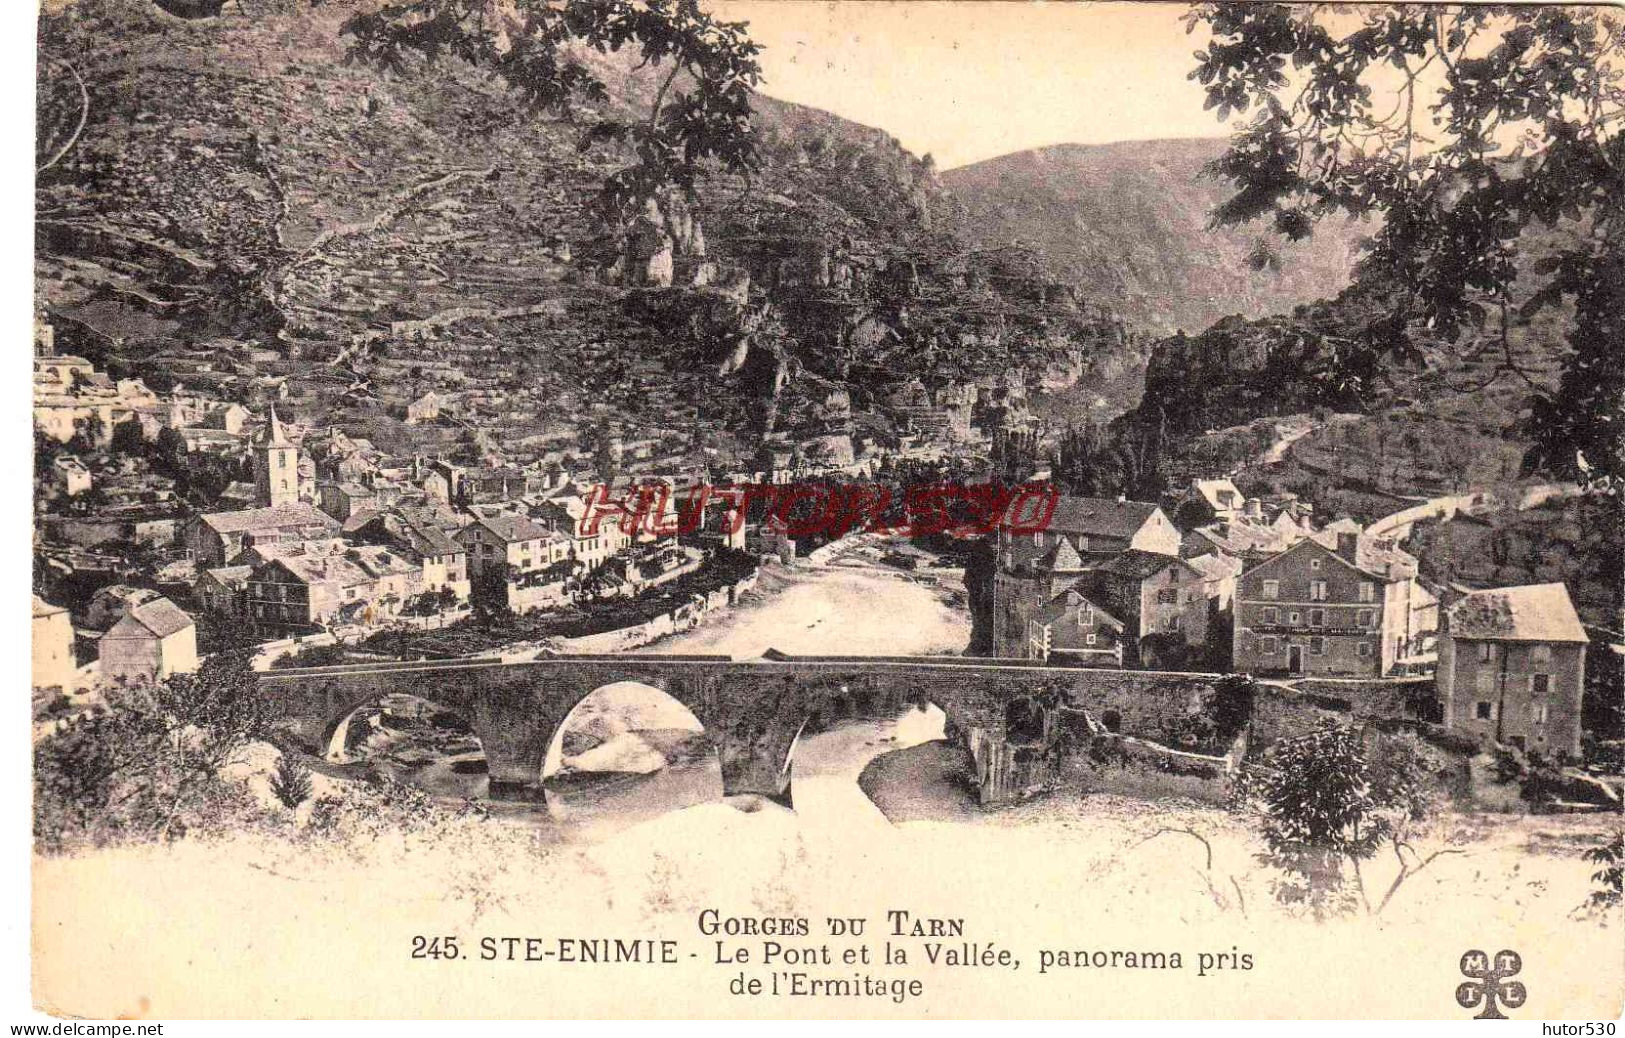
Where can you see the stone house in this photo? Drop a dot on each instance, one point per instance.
(595, 535)
(1150, 594)
(217, 538)
(1072, 629)
(501, 545)
(425, 408)
(415, 532)
(1349, 612)
(154, 640)
(223, 591)
(1512, 667)
(1094, 527)
(295, 592)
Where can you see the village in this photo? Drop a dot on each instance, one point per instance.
(208, 518)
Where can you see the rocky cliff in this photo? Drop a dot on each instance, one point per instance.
(238, 183)
(1129, 223)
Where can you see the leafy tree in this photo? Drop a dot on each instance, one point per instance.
(527, 44)
(1325, 807)
(1462, 127)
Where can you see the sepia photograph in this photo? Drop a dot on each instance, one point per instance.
(774, 509)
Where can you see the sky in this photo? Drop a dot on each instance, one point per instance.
(966, 81)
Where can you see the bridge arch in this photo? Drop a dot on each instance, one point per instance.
(657, 743)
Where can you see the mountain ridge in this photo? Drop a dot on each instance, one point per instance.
(1129, 221)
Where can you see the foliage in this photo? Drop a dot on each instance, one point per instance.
(291, 782)
(311, 656)
(1462, 127)
(147, 765)
(527, 43)
(1124, 460)
(1610, 878)
(1325, 806)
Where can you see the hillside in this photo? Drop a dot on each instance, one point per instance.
(239, 187)
(1128, 221)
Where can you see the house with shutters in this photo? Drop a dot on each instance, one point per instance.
(1352, 611)
(1512, 667)
(1072, 630)
(1151, 595)
(1083, 532)
(330, 583)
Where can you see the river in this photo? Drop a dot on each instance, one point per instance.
(629, 760)
(839, 610)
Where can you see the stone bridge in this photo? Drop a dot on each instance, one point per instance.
(1007, 713)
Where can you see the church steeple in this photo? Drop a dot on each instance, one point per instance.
(276, 465)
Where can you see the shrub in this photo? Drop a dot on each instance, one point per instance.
(1325, 806)
(291, 783)
(147, 765)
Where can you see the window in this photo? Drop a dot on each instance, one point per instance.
(1089, 639)
(1317, 646)
(1538, 713)
(1314, 563)
(1363, 649)
(1540, 684)
(1363, 618)
(1368, 591)
(1272, 589)
(1484, 710)
(1486, 652)
(1272, 615)
(1038, 538)
(1540, 654)
(1294, 618)
(1317, 618)
(1167, 596)
(1086, 615)
(1083, 542)
(1266, 645)
(1317, 591)
(281, 460)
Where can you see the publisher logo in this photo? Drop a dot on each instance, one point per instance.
(1489, 983)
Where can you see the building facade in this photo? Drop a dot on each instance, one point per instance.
(1512, 667)
(1313, 610)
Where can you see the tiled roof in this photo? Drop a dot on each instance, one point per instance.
(361, 565)
(1138, 564)
(513, 528)
(276, 517)
(1058, 606)
(160, 616)
(1100, 516)
(1530, 613)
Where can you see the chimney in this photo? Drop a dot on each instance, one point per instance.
(1348, 546)
(1254, 508)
